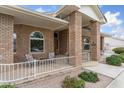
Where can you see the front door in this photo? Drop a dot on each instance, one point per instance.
(56, 42)
(86, 48)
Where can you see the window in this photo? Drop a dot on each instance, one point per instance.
(56, 40)
(14, 42)
(36, 42)
(86, 43)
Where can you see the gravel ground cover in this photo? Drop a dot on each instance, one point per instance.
(56, 82)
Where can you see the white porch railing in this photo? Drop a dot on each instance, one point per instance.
(24, 70)
(86, 57)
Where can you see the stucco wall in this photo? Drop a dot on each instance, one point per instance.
(111, 43)
(23, 42)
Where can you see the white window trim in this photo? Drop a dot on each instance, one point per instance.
(36, 39)
(30, 38)
(87, 43)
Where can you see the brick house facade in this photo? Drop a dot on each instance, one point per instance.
(23, 42)
(70, 31)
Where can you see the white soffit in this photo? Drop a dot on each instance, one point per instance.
(23, 16)
(92, 12)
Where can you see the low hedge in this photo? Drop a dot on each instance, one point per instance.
(89, 76)
(73, 82)
(7, 85)
(122, 57)
(118, 50)
(114, 60)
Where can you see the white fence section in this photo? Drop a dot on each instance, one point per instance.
(19, 71)
(86, 57)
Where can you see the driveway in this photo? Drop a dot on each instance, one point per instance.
(118, 82)
(105, 69)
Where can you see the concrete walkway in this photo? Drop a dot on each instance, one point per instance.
(105, 69)
(118, 82)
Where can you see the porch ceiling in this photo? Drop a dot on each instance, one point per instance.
(86, 19)
(85, 22)
(93, 11)
(23, 16)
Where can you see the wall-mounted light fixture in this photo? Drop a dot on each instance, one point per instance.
(93, 44)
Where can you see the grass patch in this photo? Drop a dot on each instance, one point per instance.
(9, 85)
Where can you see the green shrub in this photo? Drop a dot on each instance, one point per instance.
(118, 50)
(89, 76)
(73, 82)
(122, 57)
(122, 53)
(114, 60)
(7, 85)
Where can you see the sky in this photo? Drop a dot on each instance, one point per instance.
(115, 20)
(42, 8)
(113, 13)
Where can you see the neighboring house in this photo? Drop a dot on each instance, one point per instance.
(109, 42)
(113, 42)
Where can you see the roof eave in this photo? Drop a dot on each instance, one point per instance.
(102, 15)
(16, 8)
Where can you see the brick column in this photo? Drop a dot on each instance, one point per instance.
(6, 38)
(95, 41)
(75, 37)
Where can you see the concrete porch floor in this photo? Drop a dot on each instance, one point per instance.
(105, 69)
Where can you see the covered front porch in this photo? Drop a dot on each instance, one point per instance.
(74, 41)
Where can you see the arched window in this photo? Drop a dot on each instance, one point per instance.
(36, 42)
(14, 42)
(86, 43)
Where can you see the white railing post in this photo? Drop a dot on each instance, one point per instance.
(35, 70)
(9, 73)
(1, 72)
(29, 69)
(13, 71)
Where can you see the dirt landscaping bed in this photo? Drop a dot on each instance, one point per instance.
(56, 82)
(102, 83)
